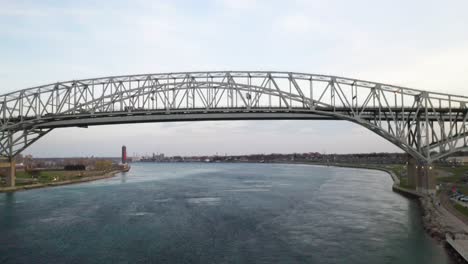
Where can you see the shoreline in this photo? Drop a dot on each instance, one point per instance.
(60, 183)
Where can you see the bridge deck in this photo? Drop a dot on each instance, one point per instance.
(165, 116)
(200, 114)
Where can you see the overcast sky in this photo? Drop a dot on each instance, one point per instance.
(421, 44)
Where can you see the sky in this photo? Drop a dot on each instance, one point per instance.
(421, 44)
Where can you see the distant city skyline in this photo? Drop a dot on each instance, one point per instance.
(211, 137)
(423, 46)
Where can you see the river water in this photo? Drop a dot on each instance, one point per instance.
(218, 213)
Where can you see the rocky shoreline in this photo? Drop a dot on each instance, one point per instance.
(431, 220)
(438, 229)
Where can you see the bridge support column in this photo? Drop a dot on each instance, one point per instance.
(421, 176)
(9, 168)
(412, 172)
(428, 179)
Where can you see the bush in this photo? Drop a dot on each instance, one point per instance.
(103, 165)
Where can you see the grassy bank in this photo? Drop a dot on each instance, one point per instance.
(456, 174)
(50, 176)
(460, 208)
(454, 177)
(400, 170)
(26, 181)
(396, 170)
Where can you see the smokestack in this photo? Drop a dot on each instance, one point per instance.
(124, 154)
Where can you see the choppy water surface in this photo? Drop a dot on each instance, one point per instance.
(218, 213)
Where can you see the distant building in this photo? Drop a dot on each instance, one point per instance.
(124, 154)
(458, 160)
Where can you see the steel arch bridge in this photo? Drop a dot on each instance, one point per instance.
(427, 125)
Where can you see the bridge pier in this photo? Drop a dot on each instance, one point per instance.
(428, 179)
(412, 172)
(421, 176)
(9, 168)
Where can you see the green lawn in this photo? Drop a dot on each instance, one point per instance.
(399, 170)
(53, 176)
(461, 209)
(404, 184)
(449, 179)
(49, 176)
(459, 171)
(457, 174)
(22, 174)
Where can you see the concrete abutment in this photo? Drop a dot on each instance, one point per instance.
(9, 170)
(421, 175)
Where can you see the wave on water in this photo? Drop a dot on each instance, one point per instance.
(205, 200)
(164, 200)
(248, 190)
(141, 213)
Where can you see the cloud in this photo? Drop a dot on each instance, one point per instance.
(423, 46)
(238, 4)
(439, 70)
(298, 24)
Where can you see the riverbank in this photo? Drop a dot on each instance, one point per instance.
(59, 183)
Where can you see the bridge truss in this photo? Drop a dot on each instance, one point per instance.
(427, 125)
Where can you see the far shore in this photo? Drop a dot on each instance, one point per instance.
(396, 181)
(395, 178)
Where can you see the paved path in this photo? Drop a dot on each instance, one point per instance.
(450, 215)
(460, 245)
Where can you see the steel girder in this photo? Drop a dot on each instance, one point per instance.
(13, 142)
(427, 125)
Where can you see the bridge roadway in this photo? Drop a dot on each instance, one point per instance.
(200, 114)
